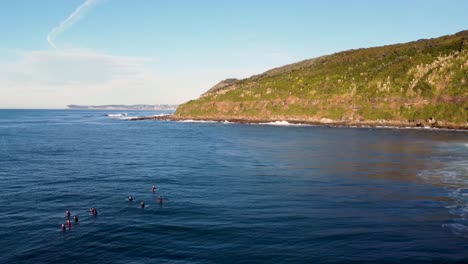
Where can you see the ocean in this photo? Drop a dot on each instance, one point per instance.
(233, 193)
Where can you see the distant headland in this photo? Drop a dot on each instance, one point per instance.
(423, 83)
(124, 107)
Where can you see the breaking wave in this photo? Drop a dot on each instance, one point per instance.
(117, 115)
(282, 123)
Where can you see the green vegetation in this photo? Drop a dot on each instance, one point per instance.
(416, 80)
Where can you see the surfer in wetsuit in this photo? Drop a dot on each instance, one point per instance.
(160, 199)
(130, 199)
(142, 205)
(68, 223)
(67, 213)
(75, 218)
(63, 228)
(93, 211)
(154, 188)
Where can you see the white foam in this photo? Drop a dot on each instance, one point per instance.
(117, 115)
(196, 121)
(125, 116)
(282, 123)
(453, 174)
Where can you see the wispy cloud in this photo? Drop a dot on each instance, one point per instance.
(69, 21)
(45, 79)
(58, 68)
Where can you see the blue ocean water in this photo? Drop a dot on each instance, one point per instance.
(235, 193)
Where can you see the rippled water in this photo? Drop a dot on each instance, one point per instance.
(235, 193)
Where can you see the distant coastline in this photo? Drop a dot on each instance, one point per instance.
(124, 107)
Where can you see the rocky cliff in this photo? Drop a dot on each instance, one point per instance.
(424, 81)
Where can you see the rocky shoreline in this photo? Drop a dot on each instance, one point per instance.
(429, 123)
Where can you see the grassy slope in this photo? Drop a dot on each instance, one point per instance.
(416, 80)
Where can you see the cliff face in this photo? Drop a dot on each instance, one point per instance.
(412, 81)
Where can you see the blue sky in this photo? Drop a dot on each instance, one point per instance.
(128, 52)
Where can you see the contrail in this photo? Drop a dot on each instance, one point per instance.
(71, 19)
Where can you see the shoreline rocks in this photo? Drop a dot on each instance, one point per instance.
(428, 123)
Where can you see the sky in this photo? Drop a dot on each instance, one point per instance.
(91, 52)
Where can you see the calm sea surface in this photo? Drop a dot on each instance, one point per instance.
(234, 193)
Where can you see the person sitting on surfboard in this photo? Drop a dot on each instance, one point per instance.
(160, 199)
(68, 223)
(130, 199)
(63, 228)
(75, 218)
(142, 204)
(67, 213)
(154, 188)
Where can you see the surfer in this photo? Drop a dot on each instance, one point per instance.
(63, 228)
(142, 205)
(130, 199)
(160, 199)
(154, 188)
(75, 218)
(68, 223)
(67, 213)
(93, 211)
